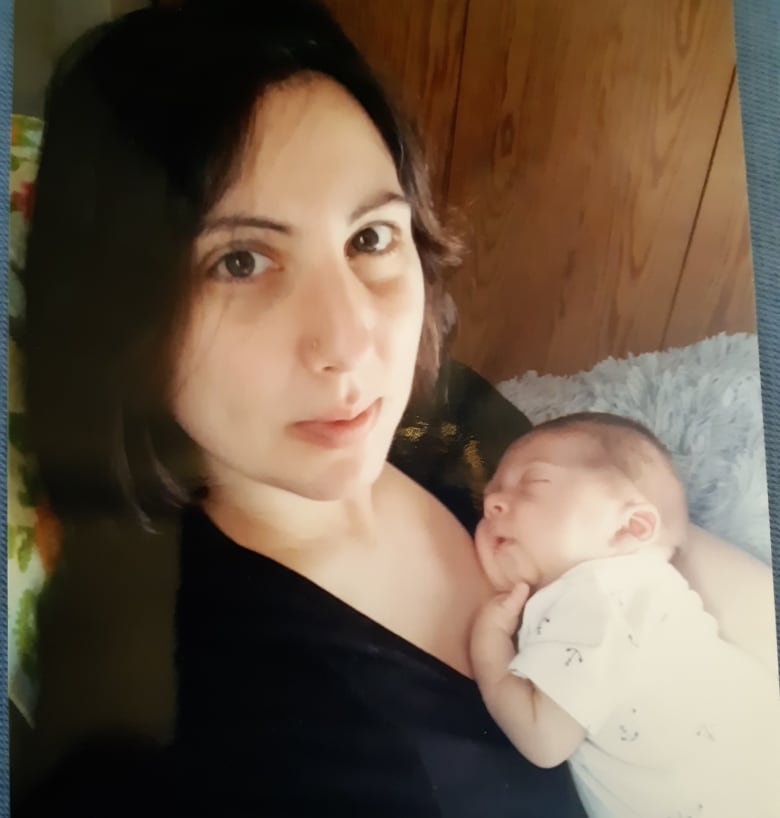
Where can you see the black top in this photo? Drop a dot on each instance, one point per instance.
(292, 703)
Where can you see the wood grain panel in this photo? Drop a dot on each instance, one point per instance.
(716, 292)
(415, 47)
(583, 138)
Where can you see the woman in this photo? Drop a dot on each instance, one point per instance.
(233, 275)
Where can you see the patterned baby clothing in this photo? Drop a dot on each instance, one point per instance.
(679, 723)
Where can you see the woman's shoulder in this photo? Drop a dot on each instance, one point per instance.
(408, 504)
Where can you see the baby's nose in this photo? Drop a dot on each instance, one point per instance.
(495, 505)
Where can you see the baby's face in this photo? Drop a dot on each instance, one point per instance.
(551, 505)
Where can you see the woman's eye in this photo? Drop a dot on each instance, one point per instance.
(241, 265)
(376, 239)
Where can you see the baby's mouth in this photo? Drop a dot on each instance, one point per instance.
(494, 538)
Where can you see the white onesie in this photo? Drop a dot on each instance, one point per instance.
(679, 723)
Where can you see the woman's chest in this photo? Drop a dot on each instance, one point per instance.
(421, 581)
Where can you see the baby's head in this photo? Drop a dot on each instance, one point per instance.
(578, 488)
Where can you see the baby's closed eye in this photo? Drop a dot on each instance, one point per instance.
(535, 477)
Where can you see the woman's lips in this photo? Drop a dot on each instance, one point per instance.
(338, 434)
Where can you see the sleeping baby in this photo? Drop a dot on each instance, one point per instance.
(616, 668)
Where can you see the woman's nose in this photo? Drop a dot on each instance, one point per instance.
(495, 505)
(339, 326)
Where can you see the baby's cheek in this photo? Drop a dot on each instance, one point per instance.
(494, 566)
(485, 554)
(515, 564)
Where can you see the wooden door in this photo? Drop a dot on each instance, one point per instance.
(583, 143)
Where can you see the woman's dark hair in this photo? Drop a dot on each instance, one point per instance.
(146, 120)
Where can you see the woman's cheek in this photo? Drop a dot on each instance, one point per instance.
(403, 314)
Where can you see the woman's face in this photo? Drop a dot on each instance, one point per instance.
(299, 355)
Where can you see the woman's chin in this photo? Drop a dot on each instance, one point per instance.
(340, 480)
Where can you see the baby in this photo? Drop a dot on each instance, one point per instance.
(617, 669)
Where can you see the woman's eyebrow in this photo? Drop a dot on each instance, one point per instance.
(231, 222)
(259, 223)
(376, 201)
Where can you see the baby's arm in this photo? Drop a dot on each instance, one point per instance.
(544, 733)
(736, 589)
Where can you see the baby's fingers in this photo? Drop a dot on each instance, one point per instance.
(515, 600)
(503, 611)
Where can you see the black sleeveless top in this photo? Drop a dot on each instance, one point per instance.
(292, 703)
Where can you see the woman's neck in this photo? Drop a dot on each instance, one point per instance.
(269, 519)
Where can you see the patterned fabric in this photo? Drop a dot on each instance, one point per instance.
(678, 721)
(33, 532)
(452, 445)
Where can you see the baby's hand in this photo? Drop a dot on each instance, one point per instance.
(492, 637)
(503, 611)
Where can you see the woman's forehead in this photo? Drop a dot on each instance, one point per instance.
(309, 139)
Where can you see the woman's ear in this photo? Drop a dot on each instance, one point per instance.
(640, 524)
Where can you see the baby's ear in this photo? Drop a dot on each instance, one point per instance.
(639, 526)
